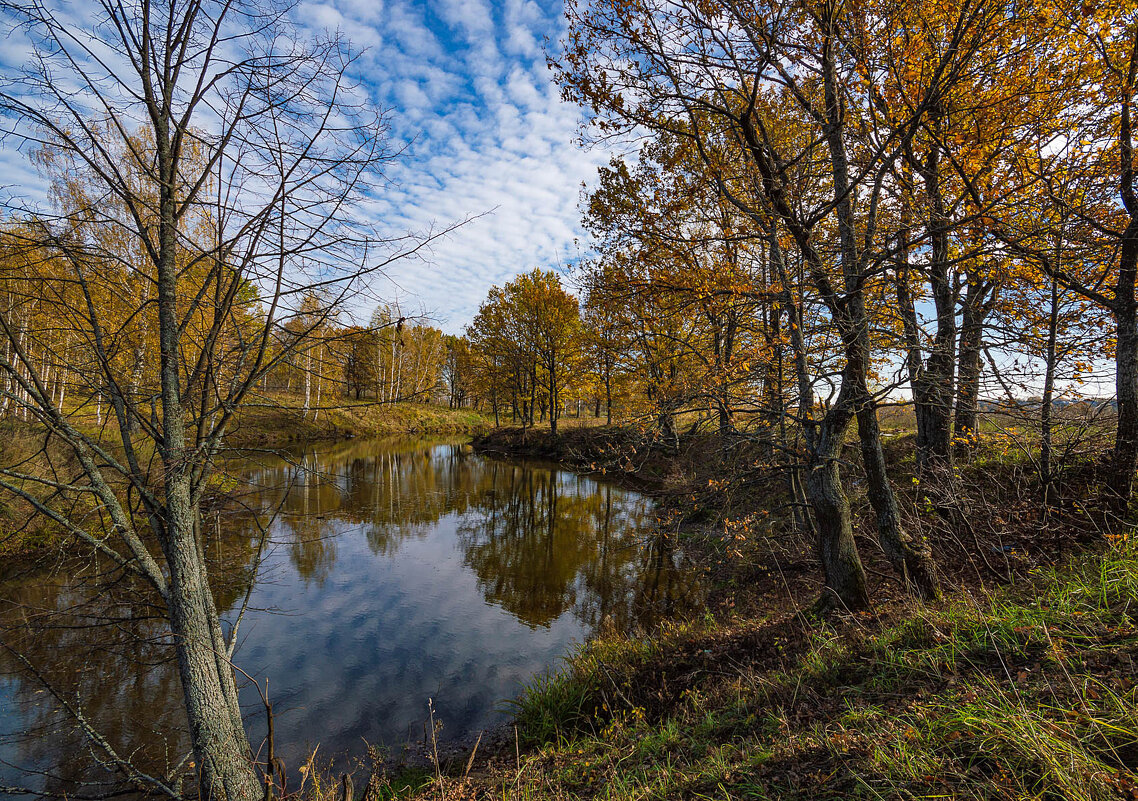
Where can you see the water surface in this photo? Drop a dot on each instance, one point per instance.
(379, 575)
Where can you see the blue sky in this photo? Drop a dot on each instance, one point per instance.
(485, 132)
(471, 94)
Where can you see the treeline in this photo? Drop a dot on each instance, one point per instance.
(310, 355)
(837, 207)
(79, 309)
(390, 359)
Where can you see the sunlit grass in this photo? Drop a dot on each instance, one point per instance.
(1020, 693)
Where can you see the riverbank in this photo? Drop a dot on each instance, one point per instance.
(1020, 692)
(271, 423)
(278, 421)
(1018, 684)
(623, 454)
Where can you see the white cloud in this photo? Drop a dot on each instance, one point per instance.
(485, 134)
(491, 137)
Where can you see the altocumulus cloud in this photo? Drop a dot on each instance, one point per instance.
(484, 133)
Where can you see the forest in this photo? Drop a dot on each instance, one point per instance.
(855, 307)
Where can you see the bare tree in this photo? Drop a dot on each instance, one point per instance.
(224, 149)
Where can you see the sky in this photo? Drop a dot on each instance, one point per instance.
(486, 134)
(483, 131)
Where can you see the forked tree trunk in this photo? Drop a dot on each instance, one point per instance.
(933, 393)
(911, 558)
(913, 562)
(220, 744)
(842, 570)
(976, 307)
(843, 574)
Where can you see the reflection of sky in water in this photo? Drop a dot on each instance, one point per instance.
(380, 636)
(395, 573)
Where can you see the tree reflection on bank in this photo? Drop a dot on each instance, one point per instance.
(392, 572)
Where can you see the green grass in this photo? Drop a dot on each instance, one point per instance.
(1025, 693)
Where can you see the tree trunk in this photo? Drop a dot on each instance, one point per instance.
(1046, 479)
(912, 560)
(912, 563)
(843, 573)
(552, 415)
(608, 400)
(319, 384)
(933, 395)
(1121, 481)
(220, 745)
(971, 366)
(726, 426)
(666, 424)
(307, 381)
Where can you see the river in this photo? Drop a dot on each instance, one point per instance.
(380, 576)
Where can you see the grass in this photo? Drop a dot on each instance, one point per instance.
(271, 422)
(1025, 692)
(278, 420)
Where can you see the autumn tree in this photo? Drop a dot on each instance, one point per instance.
(732, 83)
(527, 338)
(676, 240)
(218, 151)
(603, 342)
(457, 371)
(1082, 161)
(360, 360)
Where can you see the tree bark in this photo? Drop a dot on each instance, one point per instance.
(842, 570)
(1046, 479)
(913, 562)
(976, 307)
(1121, 482)
(220, 744)
(217, 735)
(933, 392)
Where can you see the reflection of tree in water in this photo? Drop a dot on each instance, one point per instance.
(100, 640)
(393, 491)
(543, 543)
(522, 541)
(97, 643)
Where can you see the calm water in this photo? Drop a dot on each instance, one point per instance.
(379, 575)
